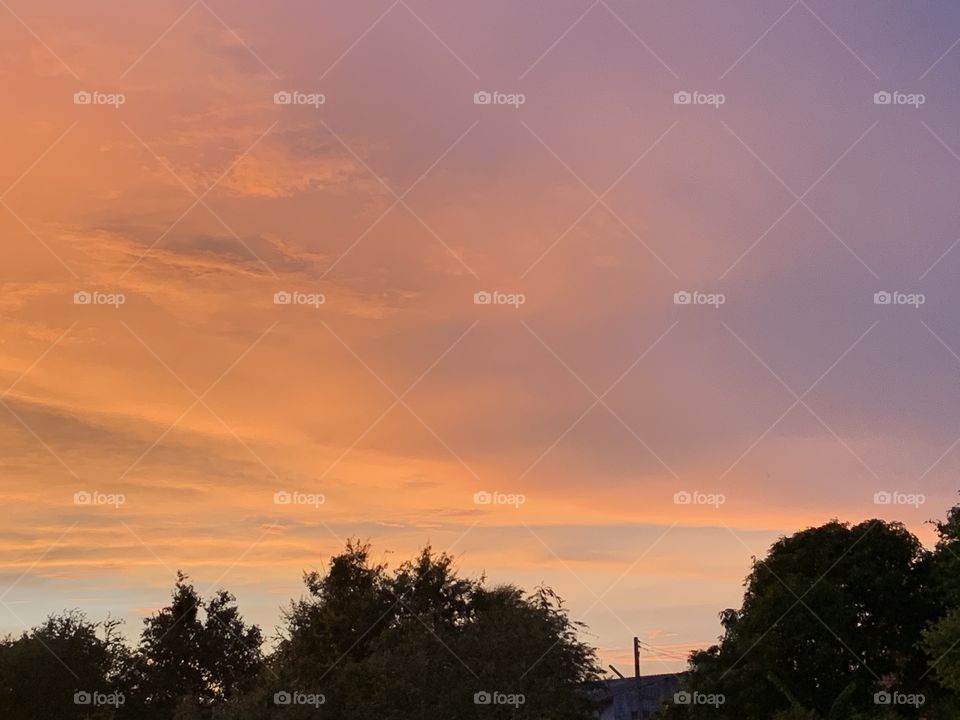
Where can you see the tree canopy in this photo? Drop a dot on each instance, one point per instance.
(837, 622)
(423, 642)
(364, 642)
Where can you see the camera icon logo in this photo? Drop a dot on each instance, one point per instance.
(82, 498)
(282, 698)
(282, 497)
(682, 297)
(482, 498)
(682, 698)
(82, 697)
(682, 498)
(82, 97)
(682, 97)
(283, 97)
(482, 98)
(282, 298)
(82, 298)
(482, 698)
(882, 297)
(882, 98)
(882, 498)
(482, 298)
(882, 698)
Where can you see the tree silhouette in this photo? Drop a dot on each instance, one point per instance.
(830, 617)
(195, 653)
(833, 619)
(54, 670)
(422, 642)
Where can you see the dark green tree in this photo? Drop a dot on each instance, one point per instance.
(830, 617)
(195, 653)
(941, 640)
(422, 642)
(54, 671)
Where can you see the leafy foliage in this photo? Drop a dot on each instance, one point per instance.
(418, 642)
(834, 616)
(195, 653)
(833, 620)
(422, 641)
(42, 670)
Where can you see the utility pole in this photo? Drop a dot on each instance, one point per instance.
(636, 672)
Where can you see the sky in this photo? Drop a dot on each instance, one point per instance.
(163, 407)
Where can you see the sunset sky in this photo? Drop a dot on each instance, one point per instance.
(397, 199)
